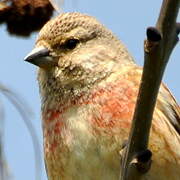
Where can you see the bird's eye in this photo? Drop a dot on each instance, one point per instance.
(71, 43)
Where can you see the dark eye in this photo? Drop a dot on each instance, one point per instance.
(71, 43)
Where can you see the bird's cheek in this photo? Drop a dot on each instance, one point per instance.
(63, 62)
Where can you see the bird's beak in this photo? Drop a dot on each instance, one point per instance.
(40, 56)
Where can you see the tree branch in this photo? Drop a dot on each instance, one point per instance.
(4, 173)
(157, 48)
(25, 113)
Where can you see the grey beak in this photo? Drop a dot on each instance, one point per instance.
(40, 57)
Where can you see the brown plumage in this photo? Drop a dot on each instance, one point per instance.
(88, 85)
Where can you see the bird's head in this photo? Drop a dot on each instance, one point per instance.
(76, 50)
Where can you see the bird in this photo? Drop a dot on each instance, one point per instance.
(88, 84)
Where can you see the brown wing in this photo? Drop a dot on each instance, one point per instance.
(166, 103)
(170, 107)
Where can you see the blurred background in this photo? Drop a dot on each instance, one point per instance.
(127, 19)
